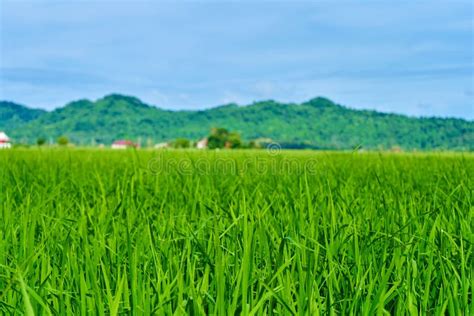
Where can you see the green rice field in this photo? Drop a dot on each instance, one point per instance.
(101, 232)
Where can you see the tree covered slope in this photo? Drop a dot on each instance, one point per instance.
(318, 123)
(13, 115)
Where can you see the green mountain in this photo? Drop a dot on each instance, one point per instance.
(13, 115)
(318, 123)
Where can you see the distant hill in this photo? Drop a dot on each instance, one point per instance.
(13, 115)
(318, 123)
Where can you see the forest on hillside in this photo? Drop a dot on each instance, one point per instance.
(318, 123)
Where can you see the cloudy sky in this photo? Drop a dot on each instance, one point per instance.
(411, 57)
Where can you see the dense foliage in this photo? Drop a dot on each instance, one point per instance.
(181, 143)
(318, 123)
(222, 138)
(62, 141)
(100, 232)
(13, 116)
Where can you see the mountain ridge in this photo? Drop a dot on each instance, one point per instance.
(316, 123)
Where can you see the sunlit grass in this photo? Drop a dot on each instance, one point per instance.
(86, 232)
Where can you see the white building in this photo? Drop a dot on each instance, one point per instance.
(162, 145)
(202, 144)
(4, 141)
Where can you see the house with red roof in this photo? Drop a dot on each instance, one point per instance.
(123, 144)
(4, 141)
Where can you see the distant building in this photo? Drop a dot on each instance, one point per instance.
(162, 145)
(202, 144)
(262, 141)
(4, 141)
(396, 149)
(123, 144)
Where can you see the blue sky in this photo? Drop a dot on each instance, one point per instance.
(411, 57)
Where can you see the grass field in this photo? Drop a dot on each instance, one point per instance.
(86, 232)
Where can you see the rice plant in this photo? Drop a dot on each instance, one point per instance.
(97, 232)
